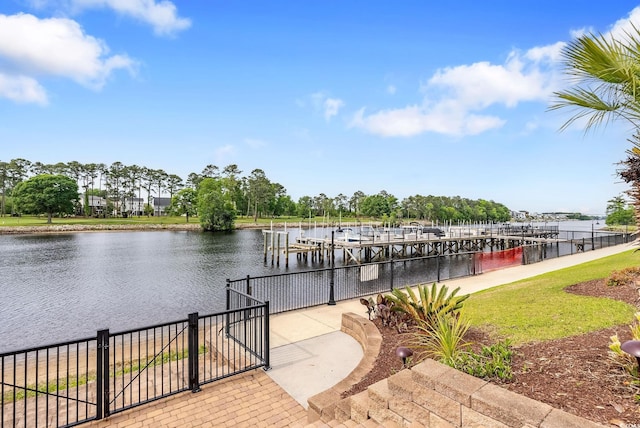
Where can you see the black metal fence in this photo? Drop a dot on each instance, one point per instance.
(571, 242)
(73, 382)
(299, 290)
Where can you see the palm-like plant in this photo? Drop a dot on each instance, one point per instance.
(428, 303)
(442, 339)
(606, 72)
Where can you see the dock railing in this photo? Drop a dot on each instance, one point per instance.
(298, 290)
(69, 383)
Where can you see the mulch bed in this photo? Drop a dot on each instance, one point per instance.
(573, 374)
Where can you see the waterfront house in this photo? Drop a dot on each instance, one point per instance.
(96, 205)
(134, 206)
(160, 206)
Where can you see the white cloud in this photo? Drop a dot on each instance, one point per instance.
(454, 98)
(625, 26)
(331, 107)
(22, 89)
(414, 120)
(391, 89)
(328, 106)
(31, 47)
(161, 15)
(550, 53)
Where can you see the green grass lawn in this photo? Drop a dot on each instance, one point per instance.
(537, 308)
(42, 220)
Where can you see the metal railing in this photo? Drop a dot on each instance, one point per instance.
(573, 243)
(70, 383)
(299, 290)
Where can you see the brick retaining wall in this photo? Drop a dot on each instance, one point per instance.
(429, 394)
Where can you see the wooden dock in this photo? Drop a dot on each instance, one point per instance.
(380, 247)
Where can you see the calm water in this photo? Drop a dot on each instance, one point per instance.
(67, 286)
(58, 287)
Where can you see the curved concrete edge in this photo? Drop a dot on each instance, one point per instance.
(322, 406)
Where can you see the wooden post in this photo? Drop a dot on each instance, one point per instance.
(264, 238)
(272, 242)
(286, 239)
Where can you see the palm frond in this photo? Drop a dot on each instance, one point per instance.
(606, 74)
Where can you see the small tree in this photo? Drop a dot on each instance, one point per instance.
(184, 203)
(47, 194)
(619, 213)
(215, 207)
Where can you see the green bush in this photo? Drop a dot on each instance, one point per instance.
(428, 304)
(493, 362)
(625, 276)
(440, 339)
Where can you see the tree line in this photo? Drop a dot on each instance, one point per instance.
(218, 195)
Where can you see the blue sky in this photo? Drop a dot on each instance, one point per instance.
(410, 97)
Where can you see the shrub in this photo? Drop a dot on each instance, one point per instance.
(626, 362)
(441, 339)
(625, 276)
(428, 304)
(621, 358)
(381, 307)
(493, 362)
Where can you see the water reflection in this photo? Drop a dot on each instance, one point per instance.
(66, 286)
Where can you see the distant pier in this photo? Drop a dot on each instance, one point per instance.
(368, 244)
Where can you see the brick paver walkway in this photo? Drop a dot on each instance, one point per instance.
(248, 400)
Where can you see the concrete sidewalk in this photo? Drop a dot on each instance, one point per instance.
(312, 337)
(295, 326)
(309, 355)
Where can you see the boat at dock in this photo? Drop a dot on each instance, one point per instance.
(348, 234)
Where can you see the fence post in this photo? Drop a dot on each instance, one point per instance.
(267, 364)
(473, 263)
(247, 312)
(228, 308)
(102, 374)
(391, 264)
(194, 375)
(332, 300)
(438, 267)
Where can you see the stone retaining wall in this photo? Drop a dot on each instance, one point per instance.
(322, 406)
(429, 394)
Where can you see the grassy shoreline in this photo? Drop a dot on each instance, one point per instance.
(35, 225)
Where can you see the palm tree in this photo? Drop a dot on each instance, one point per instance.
(606, 73)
